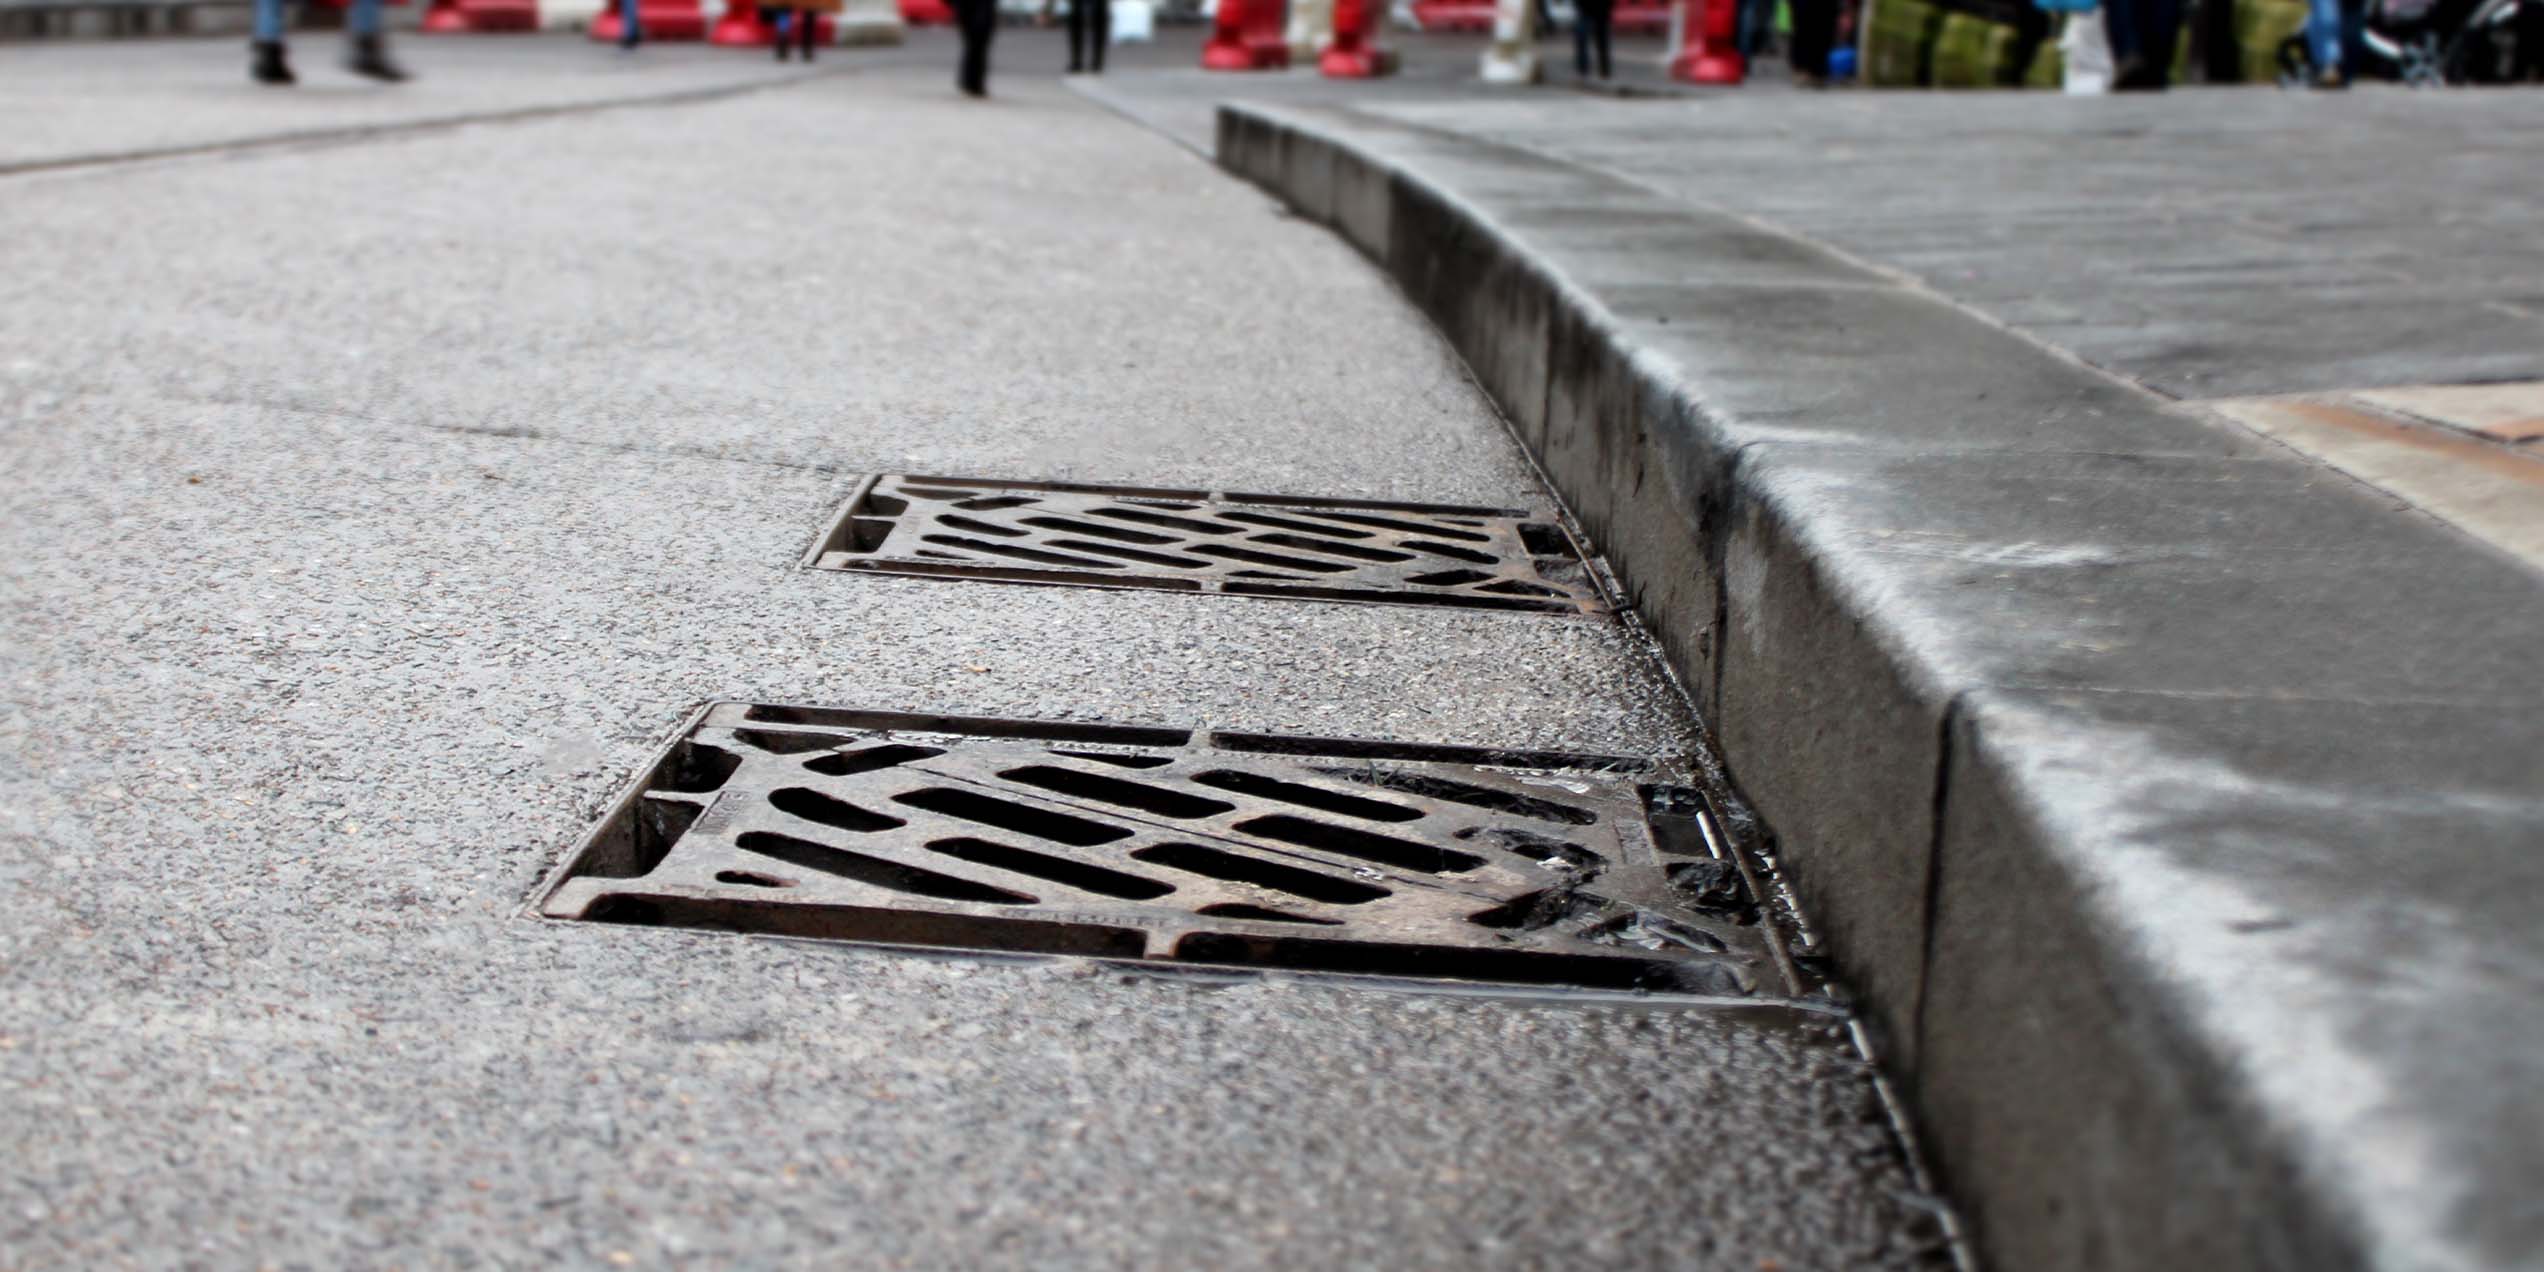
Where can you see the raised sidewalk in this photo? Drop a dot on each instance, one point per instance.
(2176, 801)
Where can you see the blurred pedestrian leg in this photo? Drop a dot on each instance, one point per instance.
(631, 31)
(2332, 39)
(1083, 16)
(1814, 33)
(978, 20)
(1592, 23)
(2143, 35)
(368, 55)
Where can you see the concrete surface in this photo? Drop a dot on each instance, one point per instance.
(2173, 798)
(372, 509)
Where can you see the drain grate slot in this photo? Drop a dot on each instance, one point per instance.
(1250, 850)
(1235, 544)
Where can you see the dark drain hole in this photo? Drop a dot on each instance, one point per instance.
(1113, 790)
(870, 759)
(1514, 587)
(1074, 526)
(697, 769)
(1316, 797)
(1021, 554)
(1075, 874)
(1454, 554)
(1195, 859)
(1186, 524)
(773, 917)
(992, 503)
(1284, 560)
(874, 870)
(1443, 962)
(1543, 540)
(1262, 914)
(1129, 554)
(838, 814)
(1126, 761)
(1284, 523)
(751, 879)
(1476, 796)
(1449, 578)
(776, 743)
(1041, 823)
(1353, 550)
(1389, 523)
(978, 526)
(1360, 843)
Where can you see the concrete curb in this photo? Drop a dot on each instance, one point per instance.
(2093, 732)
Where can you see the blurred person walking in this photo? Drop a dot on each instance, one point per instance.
(1593, 21)
(630, 31)
(365, 55)
(978, 21)
(2333, 35)
(801, 21)
(1086, 16)
(1814, 34)
(2143, 35)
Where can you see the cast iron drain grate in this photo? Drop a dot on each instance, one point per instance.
(1195, 541)
(1252, 850)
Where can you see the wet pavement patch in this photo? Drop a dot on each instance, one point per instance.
(1198, 541)
(1180, 847)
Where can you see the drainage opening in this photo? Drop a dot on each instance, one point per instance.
(1247, 545)
(1247, 850)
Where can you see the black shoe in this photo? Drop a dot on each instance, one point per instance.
(370, 57)
(1076, 68)
(266, 64)
(784, 49)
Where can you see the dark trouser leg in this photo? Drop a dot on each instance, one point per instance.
(1814, 29)
(1077, 34)
(979, 21)
(2528, 29)
(807, 25)
(2120, 24)
(1101, 11)
(1590, 25)
(2159, 36)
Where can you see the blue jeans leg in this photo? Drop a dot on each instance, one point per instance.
(629, 30)
(2324, 29)
(365, 18)
(269, 21)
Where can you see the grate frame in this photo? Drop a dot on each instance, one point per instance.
(1599, 873)
(1228, 543)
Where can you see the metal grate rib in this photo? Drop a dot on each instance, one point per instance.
(1186, 540)
(1255, 850)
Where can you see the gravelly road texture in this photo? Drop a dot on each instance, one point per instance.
(370, 511)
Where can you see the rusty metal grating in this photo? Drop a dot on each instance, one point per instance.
(1197, 541)
(1227, 849)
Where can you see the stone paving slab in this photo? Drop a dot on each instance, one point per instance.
(2146, 683)
(2209, 242)
(359, 546)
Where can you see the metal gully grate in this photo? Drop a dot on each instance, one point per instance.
(1252, 850)
(1190, 540)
